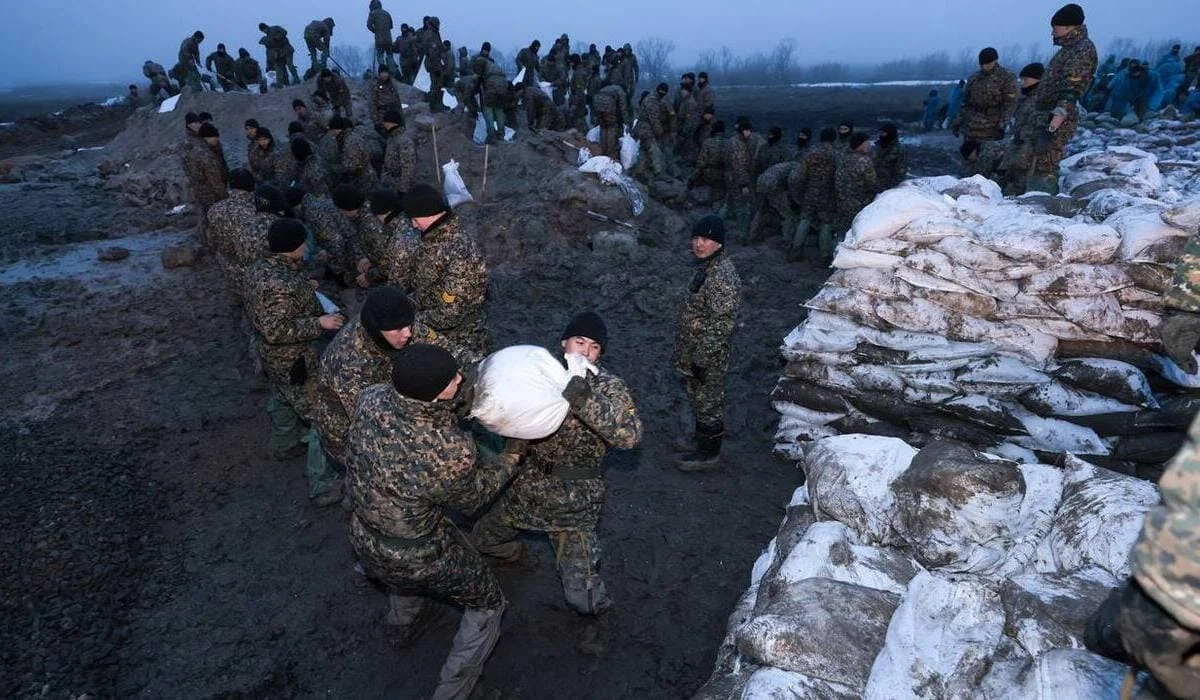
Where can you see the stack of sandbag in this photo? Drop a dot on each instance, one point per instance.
(935, 573)
(1171, 142)
(954, 312)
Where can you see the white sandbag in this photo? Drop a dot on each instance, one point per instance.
(1034, 347)
(891, 211)
(769, 683)
(479, 136)
(1051, 610)
(936, 184)
(905, 341)
(1101, 313)
(1098, 521)
(509, 133)
(984, 411)
(629, 152)
(963, 302)
(1139, 326)
(449, 101)
(1077, 280)
(518, 393)
(930, 230)
(932, 382)
(547, 88)
(876, 378)
(1016, 453)
(593, 134)
(1028, 237)
(1061, 329)
(848, 258)
(940, 642)
(809, 339)
(1090, 243)
(831, 550)
(1104, 203)
(169, 104)
(914, 315)
(927, 281)
(887, 246)
(1057, 399)
(975, 186)
(1053, 435)
(824, 629)
(879, 283)
(849, 479)
(937, 264)
(805, 415)
(517, 80)
(966, 252)
(1060, 674)
(1184, 216)
(974, 208)
(951, 351)
(1001, 370)
(848, 303)
(1144, 233)
(453, 186)
(1175, 374)
(600, 164)
(422, 81)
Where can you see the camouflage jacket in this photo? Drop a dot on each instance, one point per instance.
(312, 176)
(820, 186)
(285, 315)
(891, 165)
(314, 129)
(408, 462)
(450, 277)
(705, 98)
(579, 88)
(435, 53)
(189, 51)
(1184, 292)
(399, 254)
(775, 178)
(337, 91)
(406, 48)
(655, 119)
(797, 180)
(379, 23)
(352, 362)
(226, 67)
(317, 35)
(528, 60)
(248, 70)
(260, 162)
(771, 153)
(1025, 120)
(154, 71)
(1166, 558)
(611, 100)
(564, 487)
(495, 84)
(383, 98)
(207, 173)
(988, 104)
(226, 219)
(709, 313)
(687, 118)
(1068, 75)
(740, 154)
(354, 160)
(332, 231)
(856, 185)
(399, 160)
(710, 164)
(249, 245)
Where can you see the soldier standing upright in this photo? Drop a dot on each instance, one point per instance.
(400, 154)
(655, 130)
(855, 181)
(249, 72)
(379, 23)
(818, 199)
(891, 162)
(208, 175)
(563, 495)
(224, 66)
(435, 63)
(384, 97)
(989, 101)
(1056, 99)
(740, 155)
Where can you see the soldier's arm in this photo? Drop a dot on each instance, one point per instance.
(723, 300)
(1074, 84)
(483, 481)
(452, 296)
(1009, 106)
(609, 411)
(275, 320)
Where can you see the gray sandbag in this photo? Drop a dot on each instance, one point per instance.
(831, 550)
(1077, 280)
(985, 412)
(1048, 611)
(1113, 378)
(1114, 349)
(848, 480)
(1153, 448)
(1058, 399)
(769, 683)
(1150, 276)
(1175, 414)
(809, 395)
(947, 428)
(1058, 674)
(825, 629)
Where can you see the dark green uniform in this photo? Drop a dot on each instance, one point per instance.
(706, 337)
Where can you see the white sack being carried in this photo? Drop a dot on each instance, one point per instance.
(519, 392)
(1098, 521)
(593, 134)
(940, 642)
(849, 479)
(893, 210)
(453, 186)
(479, 136)
(422, 82)
(629, 152)
(831, 550)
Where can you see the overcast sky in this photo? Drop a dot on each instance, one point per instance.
(93, 40)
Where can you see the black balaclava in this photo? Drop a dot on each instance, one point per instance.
(804, 137)
(888, 134)
(774, 135)
(844, 136)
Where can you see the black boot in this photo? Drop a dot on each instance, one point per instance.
(706, 456)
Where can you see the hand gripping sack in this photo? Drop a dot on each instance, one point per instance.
(454, 187)
(518, 393)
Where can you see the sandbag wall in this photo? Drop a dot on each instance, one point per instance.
(1027, 326)
(935, 573)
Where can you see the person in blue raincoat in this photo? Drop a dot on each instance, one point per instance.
(1102, 73)
(1138, 89)
(956, 101)
(1192, 105)
(931, 104)
(1170, 74)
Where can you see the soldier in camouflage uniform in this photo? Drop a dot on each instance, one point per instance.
(358, 357)
(228, 217)
(563, 493)
(818, 201)
(494, 92)
(248, 244)
(540, 110)
(286, 318)
(1014, 167)
(705, 97)
(407, 464)
(400, 156)
(310, 173)
(334, 88)
(891, 161)
(1153, 620)
(577, 101)
(379, 23)
(655, 130)
(409, 53)
(773, 201)
(1066, 79)
(449, 279)
(223, 65)
(352, 154)
(263, 157)
(855, 181)
(527, 59)
(389, 242)
(317, 36)
(687, 118)
(710, 162)
(740, 154)
(775, 151)
(189, 61)
(705, 340)
(333, 232)
(159, 82)
(207, 174)
(314, 129)
(608, 107)
(280, 53)
(990, 98)
(384, 97)
(439, 70)
(249, 72)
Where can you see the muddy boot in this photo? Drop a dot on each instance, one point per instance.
(706, 456)
(473, 644)
(795, 246)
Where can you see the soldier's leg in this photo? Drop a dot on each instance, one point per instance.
(826, 239)
(287, 430)
(799, 238)
(708, 404)
(577, 555)
(477, 635)
(312, 58)
(495, 537)
(324, 476)
(1158, 643)
(291, 64)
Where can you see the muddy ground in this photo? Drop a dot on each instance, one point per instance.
(153, 548)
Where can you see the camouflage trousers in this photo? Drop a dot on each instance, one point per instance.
(610, 136)
(774, 204)
(493, 118)
(736, 209)
(1043, 165)
(707, 396)
(436, 83)
(385, 57)
(1132, 628)
(651, 162)
(577, 116)
(568, 512)
(824, 222)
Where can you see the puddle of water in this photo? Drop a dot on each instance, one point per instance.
(79, 261)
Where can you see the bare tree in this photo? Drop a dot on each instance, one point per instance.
(654, 58)
(783, 64)
(726, 60)
(353, 60)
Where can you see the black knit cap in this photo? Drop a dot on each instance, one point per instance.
(743, 124)
(347, 198)
(205, 117)
(338, 123)
(295, 127)
(804, 135)
(711, 227)
(191, 118)
(264, 133)
(393, 116)
(858, 139)
(294, 196)
(587, 325)
(298, 103)
(424, 200)
(387, 309)
(828, 135)
(718, 127)
(241, 179)
(1033, 70)
(301, 149)
(269, 198)
(988, 55)
(251, 124)
(286, 235)
(423, 371)
(383, 68)
(208, 131)
(1070, 15)
(385, 200)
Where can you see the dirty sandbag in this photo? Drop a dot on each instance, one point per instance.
(880, 283)
(964, 302)
(1057, 399)
(1090, 243)
(941, 640)
(930, 230)
(1001, 370)
(1174, 414)
(1052, 610)
(637, 203)
(849, 258)
(453, 186)
(1141, 228)
(966, 252)
(1169, 370)
(601, 165)
(940, 427)
(481, 132)
(892, 210)
(831, 550)
(769, 683)
(848, 480)
(1077, 280)
(915, 315)
(1104, 203)
(629, 152)
(847, 303)
(1054, 435)
(809, 395)
(1022, 236)
(1098, 520)
(1113, 378)
(824, 375)
(975, 186)
(518, 393)
(1112, 349)
(984, 411)
(871, 378)
(863, 424)
(1060, 674)
(804, 414)
(1184, 216)
(593, 134)
(922, 280)
(824, 629)
(1153, 448)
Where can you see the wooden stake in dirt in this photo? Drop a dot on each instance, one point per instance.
(483, 190)
(437, 163)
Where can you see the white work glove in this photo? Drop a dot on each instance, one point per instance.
(578, 366)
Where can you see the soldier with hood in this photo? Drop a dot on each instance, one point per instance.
(379, 23)
(249, 72)
(317, 36)
(223, 65)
